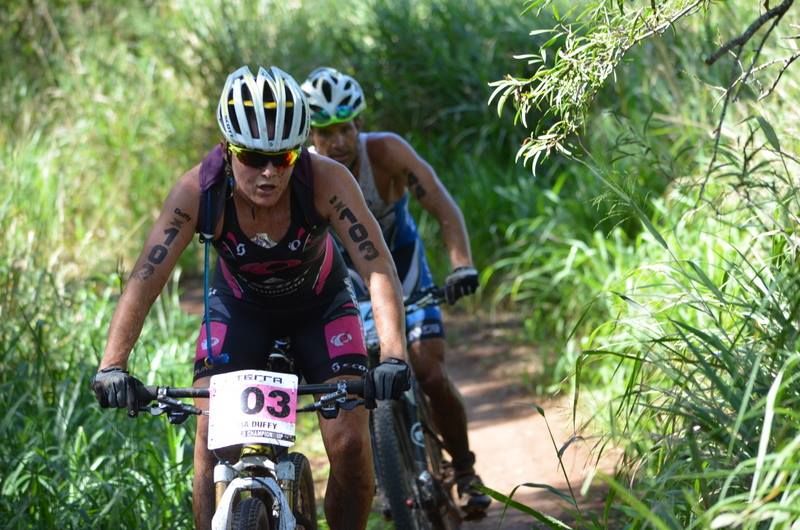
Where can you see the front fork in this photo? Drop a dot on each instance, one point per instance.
(284, 471)
(224, 473)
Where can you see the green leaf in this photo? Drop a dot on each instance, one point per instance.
(550, 522)
(769, 132)
(707, 281)
(638, 506)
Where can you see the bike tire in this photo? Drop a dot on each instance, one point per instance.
(395, 460)
(251, 514)
(304, 504)
(448, 515)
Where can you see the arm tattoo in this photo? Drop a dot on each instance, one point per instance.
(144, 272)
(415, 185)
(183, 215)
(343, 211)
(160, 251)
(358, 232)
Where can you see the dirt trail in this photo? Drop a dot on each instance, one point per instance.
(510, 438)
(513, 443)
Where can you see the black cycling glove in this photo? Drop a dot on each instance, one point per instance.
(390, 379)
(114, 388)
(461, 282)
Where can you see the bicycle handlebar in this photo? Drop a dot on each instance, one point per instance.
(146, 394)
(334, 397)
(432, 295)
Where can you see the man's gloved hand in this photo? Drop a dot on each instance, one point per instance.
(461, 282)
(114, 388)
(390, 379)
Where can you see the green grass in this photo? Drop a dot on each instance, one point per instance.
(674, 313)
(103, 107)
(669, 314)
(58, 444)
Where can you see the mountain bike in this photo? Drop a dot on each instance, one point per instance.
(268, 487)
(411, 470)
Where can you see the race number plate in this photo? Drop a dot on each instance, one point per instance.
(252, 406)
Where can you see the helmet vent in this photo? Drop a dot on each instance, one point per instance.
(265, 112)
(326, 89)
(334, 97)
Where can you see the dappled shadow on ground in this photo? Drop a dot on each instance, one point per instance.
(484, 358)
(515, 443)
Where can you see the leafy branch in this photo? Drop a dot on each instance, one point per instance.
(736, 46)
(587, 52)
(776, 13)
(583, 50)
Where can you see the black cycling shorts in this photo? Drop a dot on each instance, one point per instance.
(326, 340)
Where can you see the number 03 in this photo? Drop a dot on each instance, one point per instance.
(255, 404)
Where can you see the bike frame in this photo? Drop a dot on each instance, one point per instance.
(262, 469)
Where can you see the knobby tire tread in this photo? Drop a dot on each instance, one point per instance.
(251, 514)
(305, 501)
(396, 464)
(440, 468)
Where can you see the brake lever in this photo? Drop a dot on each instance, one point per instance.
(329, 405)
(177, 411)
(351, 404)
(176, 417)
(328, 412)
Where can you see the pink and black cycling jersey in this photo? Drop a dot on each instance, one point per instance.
(296, 288)
(296, 271)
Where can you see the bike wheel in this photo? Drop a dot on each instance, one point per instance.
(395, 460)
(304, 499)
(445, 514)
(251, 514)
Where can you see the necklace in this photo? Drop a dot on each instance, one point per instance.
(262, 239)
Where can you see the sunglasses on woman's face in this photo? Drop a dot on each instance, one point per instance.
(260, 159)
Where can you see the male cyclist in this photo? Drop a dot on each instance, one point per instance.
(278, 274)
(387, 169)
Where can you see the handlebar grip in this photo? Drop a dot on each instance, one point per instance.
(353, 386)
(369, 392)
(146, 394)
(438, 293)
(356, 386)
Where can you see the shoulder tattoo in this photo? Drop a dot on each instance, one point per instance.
(415, 185)
(157, 254)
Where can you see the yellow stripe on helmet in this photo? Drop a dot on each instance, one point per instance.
(268, 105)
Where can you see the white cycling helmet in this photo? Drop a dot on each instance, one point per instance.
(333, 97)
(267, 112)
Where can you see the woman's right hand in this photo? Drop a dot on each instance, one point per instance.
(115, 388)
